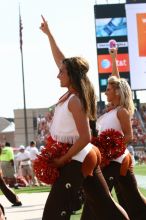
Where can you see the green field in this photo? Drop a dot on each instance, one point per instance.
(140, 170)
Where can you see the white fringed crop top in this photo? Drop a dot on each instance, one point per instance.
(63, 128)
(108, 120)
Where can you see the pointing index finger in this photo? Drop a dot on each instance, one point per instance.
(43, 18)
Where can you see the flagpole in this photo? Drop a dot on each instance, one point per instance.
(23, 80)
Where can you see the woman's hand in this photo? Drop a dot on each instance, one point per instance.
(59, 162)
(57, 53)
(113, 53)
(44, 26)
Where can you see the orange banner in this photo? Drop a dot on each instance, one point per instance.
(141, 30)
(105, 63)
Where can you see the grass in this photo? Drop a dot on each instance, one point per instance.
(33, 189)
(77, 215)
(140, 169)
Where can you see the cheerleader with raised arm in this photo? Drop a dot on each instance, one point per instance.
(118, 170)
(70, 127)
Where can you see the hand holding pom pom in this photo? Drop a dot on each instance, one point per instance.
(111, 145)
(43, 167)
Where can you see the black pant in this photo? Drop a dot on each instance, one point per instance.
(63, 197)
(126, 190)
(11, 196)
(99, 204)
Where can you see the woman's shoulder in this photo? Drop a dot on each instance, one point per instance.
(74, 98)
(122, 111)
(74, 102)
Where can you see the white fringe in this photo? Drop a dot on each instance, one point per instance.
(65, 139)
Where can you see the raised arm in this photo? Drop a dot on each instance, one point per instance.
(113, 54)
(57, 53)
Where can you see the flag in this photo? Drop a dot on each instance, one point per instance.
(20, 30)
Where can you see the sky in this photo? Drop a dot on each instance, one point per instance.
(73, 26)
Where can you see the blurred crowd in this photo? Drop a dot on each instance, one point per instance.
(16, 166)
(143, 113)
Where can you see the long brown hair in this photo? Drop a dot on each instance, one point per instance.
(77, 68)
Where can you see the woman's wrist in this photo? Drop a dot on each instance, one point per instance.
(65, 159)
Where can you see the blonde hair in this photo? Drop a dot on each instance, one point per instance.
(122, 87)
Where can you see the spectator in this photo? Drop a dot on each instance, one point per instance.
(7, 165)
(24, 162)
(2, 212)
(33, 154)
(9, 194)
